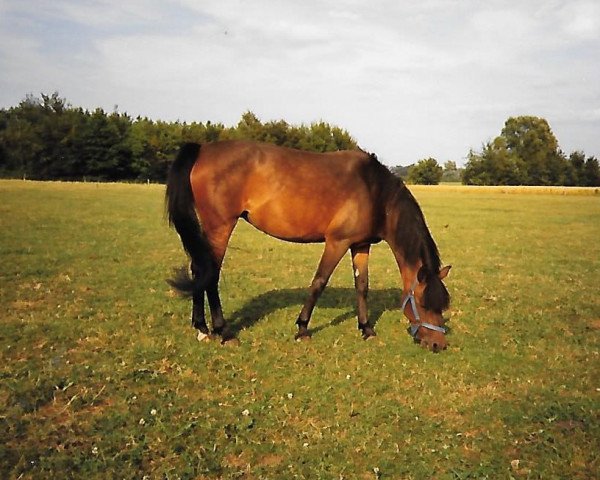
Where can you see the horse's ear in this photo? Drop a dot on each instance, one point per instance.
(444, 272)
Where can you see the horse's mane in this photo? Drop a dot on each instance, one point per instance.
(411, 234)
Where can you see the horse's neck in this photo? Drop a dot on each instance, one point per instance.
(408, 269)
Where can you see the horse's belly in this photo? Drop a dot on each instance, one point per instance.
(293, 225)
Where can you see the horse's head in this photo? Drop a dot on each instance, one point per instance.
(423, 305)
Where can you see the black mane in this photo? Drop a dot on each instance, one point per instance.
(412, 236)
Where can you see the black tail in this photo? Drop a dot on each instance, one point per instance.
(181, 213)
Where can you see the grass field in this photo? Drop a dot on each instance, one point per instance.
(101, 375)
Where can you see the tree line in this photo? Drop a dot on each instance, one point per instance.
(48, 139)
(527, 153)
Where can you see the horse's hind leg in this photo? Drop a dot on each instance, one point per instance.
(198, 318)
(360, 265)
(334, 251)
(218, 238)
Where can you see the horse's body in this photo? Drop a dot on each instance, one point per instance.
(346, 199)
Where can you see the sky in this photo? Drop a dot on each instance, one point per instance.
(408, 79)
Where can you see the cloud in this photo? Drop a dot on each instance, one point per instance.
(581, 20)
(407, 79)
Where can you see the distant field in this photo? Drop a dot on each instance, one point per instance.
(534, 190)
(102, 376)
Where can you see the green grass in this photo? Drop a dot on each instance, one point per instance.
(101, 375)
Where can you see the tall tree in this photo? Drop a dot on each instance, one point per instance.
(426, 172)
(575, 168)
(531, 140)
(525, 153)
(451, 172)
(250, 128)
(401, 171)
(591, 173)
(20, 139)
(56, 129)
(476, 170)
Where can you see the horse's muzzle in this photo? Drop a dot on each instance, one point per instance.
(434, 341)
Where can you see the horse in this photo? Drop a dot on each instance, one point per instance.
(346, 199)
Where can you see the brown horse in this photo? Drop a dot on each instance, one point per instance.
(346, 199)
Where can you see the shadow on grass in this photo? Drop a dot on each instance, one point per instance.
(266, 303)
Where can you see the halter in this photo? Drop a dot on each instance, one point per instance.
(414, 327)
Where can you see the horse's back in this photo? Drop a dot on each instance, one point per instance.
(290, 194)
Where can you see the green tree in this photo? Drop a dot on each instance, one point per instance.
(277, 132)
(322, 137)
(201, 133)
(141, 152)
(591, 172)
(495, 165)
(342, 140)
(476, 170)
(250, 128)
(20, 139)
(318, 138)
(425, 172)
(504, 165)
(104, 147)
(120, 152)
(451, 172)
(56, 128)
(575, 169)
(531, 141)
(401, 171)
(164, 140)
(581, 171)
(47, 138)
(525, 153)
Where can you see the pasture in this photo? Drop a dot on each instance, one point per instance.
(102, 377)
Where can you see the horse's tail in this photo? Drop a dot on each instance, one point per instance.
(181, 213)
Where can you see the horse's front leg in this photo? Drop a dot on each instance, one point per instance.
(334, 251)
(360, 265)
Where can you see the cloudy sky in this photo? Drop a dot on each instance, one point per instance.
(408, 79)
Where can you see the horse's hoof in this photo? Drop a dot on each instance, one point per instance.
(302, 337)
(368, 333)
(230, 342)
(203, 337)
